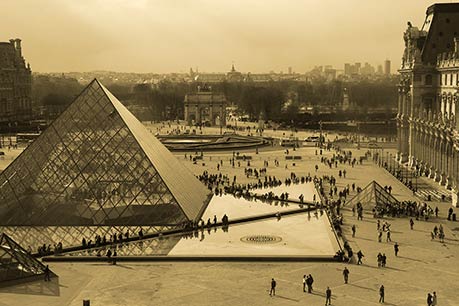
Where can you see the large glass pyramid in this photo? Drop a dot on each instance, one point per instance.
(15, 262)
(373, 196)
(97, 165)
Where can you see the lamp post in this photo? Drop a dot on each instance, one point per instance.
(222, 113)
(320, 137)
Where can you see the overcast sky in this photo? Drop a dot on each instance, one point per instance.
(172, 35)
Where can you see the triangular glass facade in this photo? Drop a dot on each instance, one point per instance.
(373, 195)
(96, 169)
(15, 262)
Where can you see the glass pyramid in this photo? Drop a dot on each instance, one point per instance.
(15, 262)
(97, 166)
(373, 195)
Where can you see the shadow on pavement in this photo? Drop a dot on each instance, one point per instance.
(404, 257)
(361, 287)
(286, 298)
(37, 287)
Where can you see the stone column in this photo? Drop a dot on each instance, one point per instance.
(412, 144)
(438, 154)
(449, 163)
(423, 147)
(455, 183)
(406, 126)
(432, 156)
(443, 161)
(399, 118)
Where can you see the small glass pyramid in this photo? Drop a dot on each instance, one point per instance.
(15, 262)
(373, 196)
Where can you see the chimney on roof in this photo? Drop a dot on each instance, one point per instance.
(18, 46)
(456, 44)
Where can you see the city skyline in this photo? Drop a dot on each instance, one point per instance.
(163, 37)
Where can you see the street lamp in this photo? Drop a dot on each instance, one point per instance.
(320, 137)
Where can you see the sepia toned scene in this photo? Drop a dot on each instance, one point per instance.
(229, 152)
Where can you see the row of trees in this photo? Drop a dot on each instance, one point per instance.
(164, 101)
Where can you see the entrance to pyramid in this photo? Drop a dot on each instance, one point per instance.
(96, 167)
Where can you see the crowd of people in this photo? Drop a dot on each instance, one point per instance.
(416, 209)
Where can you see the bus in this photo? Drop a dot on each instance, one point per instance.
(26, 137)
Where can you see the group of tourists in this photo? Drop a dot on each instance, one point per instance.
(439, 232)
(405, 208)
(45, 250)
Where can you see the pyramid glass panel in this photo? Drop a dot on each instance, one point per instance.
(97, 165)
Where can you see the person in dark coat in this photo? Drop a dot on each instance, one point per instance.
(328, 296)
(381, 294)
(346, 275)
(272, 292)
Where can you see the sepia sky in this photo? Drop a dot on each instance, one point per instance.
(173, 35)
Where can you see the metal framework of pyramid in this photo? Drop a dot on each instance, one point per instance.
(16, 263)
(373, 195)
(97, 165)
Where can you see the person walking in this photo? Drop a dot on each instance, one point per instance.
(388, 238)
(396, 249)
(381, 294)
(309, 282)
(429, 299)
(328, 296)
(411, 223)
(304, 283)
(353, 230)
(272, 292)
(359, 257)
(346, 275)
(47, 274)
(434, 299)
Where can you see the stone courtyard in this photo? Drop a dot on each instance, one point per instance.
(422, 266)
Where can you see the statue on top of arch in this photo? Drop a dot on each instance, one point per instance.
(412, 53)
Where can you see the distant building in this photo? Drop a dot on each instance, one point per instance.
(205, 107)
(350, 69)
(15, 83)
(209, 77)
(290, 70)
(428, 106)
(380, 70)
(387, 67)
(367, 69)
(330, 73)
(347, 69)
(259, 77)
(234, 76)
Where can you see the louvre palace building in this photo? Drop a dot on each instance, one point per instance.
(428, 138)
(15, 83)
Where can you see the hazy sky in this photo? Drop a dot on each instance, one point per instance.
(172, 35)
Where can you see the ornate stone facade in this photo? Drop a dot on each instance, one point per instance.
(428, 138)
(205, 107)
(15, 83)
